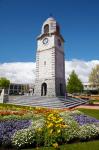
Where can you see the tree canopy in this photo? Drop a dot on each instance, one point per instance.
(74, 84)
(94, 76)
(4, 83)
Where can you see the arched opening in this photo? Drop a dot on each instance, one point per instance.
(43, 89)
(46, 28)
(61, 89)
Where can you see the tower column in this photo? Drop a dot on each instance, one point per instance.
(50, 69)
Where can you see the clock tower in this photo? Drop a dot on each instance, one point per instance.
(50, 64)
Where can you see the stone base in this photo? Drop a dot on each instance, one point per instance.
(50, 91)
(54, 87)
(60, 87)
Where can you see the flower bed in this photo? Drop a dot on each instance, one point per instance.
(9, 112)
(8, 128)
(35, 127)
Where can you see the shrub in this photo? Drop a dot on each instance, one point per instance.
(53, 129)
(77, 112)
(9, 112)
(8, 128)
(27, 116)
(84, 119)
(71, 132)
(17, 117)
(39, 136)
(66, 115)
(39, 123)
(49, 129)
(12, 117)
(88, 131)
(91, 102)
(31, 136)
(39, 127)
(23, 138)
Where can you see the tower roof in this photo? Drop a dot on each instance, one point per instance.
(50, 20)
(50, 26)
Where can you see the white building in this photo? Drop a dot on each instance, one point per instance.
(90, 87)
(50, 65)
(15, 88)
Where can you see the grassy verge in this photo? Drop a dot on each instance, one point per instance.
(14, 106)
(93, 145)
(96, 101)
(91, 112)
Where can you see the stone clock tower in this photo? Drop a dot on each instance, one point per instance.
(50, 65)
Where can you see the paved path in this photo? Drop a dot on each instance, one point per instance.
(50, 102)
(94, 106)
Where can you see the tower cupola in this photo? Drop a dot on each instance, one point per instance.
(50, 26)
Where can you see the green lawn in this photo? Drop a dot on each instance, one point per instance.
(96, 101)
(91, 112)
(81, 146)
(93, 145)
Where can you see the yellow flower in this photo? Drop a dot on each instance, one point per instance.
(51, 131)
(54, 118)
(49, 125)
(60, 119)
(58, 131)
(64, 125)
(55, 145)
(47, 122)
(57, 125)
(50, 115)
(39, 129)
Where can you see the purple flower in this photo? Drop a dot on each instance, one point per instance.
(84, 119)
(9, 127)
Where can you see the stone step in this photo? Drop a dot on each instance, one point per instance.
(46, 102)
(50, 105)
(42, 105)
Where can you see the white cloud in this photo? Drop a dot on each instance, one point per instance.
(82, 68)
(24, 72)
(18, 72)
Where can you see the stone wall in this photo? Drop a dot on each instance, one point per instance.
(60, 81)
(53, 73)
(50, 87)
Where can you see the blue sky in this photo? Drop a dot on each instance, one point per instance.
(21, 21)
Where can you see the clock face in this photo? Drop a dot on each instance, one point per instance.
(45, 41)
(59, 42)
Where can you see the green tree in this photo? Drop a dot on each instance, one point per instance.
(4, 83)
(74, 84)
(94, 76)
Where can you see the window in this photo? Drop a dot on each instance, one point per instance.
(46, 28)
